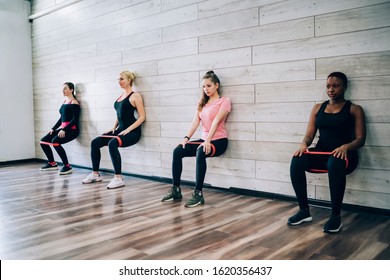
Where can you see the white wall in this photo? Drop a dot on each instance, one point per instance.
(16, 106)
(272, 58)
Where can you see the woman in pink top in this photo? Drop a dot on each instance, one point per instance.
(211, 113)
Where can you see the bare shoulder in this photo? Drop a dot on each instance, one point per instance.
(356, 109)
(316, 107)
(136, 95)
(74, 101)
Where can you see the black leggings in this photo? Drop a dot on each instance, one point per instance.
(219, 146)
(55, 141)
(337, 172)
(113, 142)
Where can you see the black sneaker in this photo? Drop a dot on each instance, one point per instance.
(333, 225)
(299, 218)
(66, 170)
(49, 166)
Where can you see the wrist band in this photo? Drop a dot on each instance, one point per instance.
(188, 138)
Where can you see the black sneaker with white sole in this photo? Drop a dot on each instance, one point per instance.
(333, 225)
(299, 218)
(49, 166)
(66, 170)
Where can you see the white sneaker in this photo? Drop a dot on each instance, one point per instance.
(115, 183)
(92, 178)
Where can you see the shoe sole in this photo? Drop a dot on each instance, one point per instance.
(308, 219)
(333, 230)
(94, 181)
(172, 199)
(67, 172)
(50, 169)
(115, 187)
(194, 205)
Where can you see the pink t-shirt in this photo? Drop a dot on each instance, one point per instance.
(207, 115)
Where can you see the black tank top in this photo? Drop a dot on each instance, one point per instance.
(70, 114)
(335, 129)
(125, 113)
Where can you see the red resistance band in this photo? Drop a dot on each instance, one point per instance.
(113, 136)
(322, 153)
(213, 149)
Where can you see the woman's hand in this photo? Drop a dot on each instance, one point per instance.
(51, 131)
(112, 130)
(184, 142)
(341, 152)
(61, 134)
(206, 147)
(124, 132)
(301, 150)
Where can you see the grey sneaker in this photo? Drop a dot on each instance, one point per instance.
(92, 178)
(196, 199)
(116, 183)
(173, 194)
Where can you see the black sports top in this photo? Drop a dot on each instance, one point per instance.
(69, 119)
(125, 113)
(335, 129)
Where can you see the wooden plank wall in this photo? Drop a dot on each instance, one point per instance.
(272, 58)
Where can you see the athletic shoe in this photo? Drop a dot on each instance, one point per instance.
(49, 166)
(66, 170)
(196, 199)
(333, 225)
(299, 218)
(173, 194)
(116, 183)
(92, 178)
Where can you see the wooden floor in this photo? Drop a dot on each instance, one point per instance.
(47, 216)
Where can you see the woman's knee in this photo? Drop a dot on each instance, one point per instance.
(178, 152)
(200, 154)
(336, 164)
(113, 144)
(299, 162)
(56, 140)
(96, 143)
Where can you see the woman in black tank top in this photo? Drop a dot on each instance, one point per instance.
(342, 132)
(125, 132)
(65, 130)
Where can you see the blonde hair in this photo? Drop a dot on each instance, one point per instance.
(130, 76)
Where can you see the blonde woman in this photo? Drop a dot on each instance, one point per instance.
(125, 132)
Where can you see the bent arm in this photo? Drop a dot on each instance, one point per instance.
(220, 117)
(75, 117)
(58, 124)
(139, 105)
(194, 124)
(360, 129)
(311, 131)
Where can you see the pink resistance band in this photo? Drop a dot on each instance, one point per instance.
(50, 144)
(64, 124)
